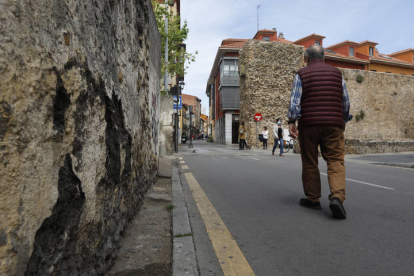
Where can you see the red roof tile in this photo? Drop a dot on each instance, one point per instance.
(343, 43)
(309, 36)
(236, 45)
(368, 42)
(266, 30)
(284, 40)
(384, 57)
(402, 52)
(335, 54)
(232, 40)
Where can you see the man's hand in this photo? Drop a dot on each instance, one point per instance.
(293, 131)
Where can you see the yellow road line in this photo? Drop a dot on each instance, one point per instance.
(184, 167)
(182, 162)
(229, 255)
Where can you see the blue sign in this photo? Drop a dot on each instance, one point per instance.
(179, 102)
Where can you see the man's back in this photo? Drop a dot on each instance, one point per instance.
(321, 103)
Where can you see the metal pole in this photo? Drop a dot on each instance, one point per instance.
(176, 129)
(258, 17)
(191, 137)
(176, 122)
(257, 134)
(166, 50)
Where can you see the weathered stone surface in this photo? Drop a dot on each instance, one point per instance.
(387, 101)
(267, 70)
(79, 121)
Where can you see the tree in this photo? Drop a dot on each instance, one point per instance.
(177, 55)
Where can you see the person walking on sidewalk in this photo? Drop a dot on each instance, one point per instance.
(242, 136)
(265, 134)
(320, 103)
(278, 136)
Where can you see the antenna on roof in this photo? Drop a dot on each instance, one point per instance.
(258, 17)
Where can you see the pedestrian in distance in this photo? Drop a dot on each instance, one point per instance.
(320, 103)
(278, 136)
(265, 134)
(242, 136)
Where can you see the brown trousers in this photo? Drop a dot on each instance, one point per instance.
(332, 143)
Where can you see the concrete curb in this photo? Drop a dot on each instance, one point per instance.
(184, 260)
(402, 165)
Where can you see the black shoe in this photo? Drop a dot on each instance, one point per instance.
(338, 210)
(310, 204)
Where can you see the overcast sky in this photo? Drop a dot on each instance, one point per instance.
(389, 23)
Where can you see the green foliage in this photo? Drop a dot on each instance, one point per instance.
(357, 118)
(359, 78)
(361, 114)
(183, 235)
(177, 55)
(169, 207)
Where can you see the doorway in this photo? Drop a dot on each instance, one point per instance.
(235, 129)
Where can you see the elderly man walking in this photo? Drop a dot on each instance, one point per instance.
(319, 102)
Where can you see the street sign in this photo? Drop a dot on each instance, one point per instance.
(257, 117)
(179, 101)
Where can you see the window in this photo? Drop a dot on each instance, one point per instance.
(373, 70)
(266, 38)
(371, 51)
(317, 42)
(229, 71)
(351, 51)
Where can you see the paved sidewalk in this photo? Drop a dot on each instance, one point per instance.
(398, 159)
(184, 260)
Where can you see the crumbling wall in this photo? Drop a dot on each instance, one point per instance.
(267, 70)
(79, 121)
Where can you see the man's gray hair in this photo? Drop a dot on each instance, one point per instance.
(315, 52)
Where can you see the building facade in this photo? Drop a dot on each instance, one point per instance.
(195, 102)
(223, 92)
(223, 82)
(184, 120)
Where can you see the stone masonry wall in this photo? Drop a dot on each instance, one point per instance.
(267, 70)
(387, 101)
(79, 113)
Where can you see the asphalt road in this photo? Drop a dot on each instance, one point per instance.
(257, 196)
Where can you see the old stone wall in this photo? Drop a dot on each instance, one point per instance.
(79, 113)
(387, 101)
(267, 70)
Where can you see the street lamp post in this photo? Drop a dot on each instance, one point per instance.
(180, 87)
(191, 127)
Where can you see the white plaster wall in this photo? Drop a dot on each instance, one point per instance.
(227, 127)
(166, 125)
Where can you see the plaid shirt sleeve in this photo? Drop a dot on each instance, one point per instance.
(345, 103)
(295, 97)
